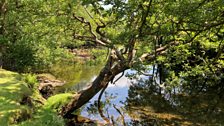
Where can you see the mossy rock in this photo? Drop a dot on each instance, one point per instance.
(57, 101)
(46, 76)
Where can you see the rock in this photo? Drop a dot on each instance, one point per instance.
(47, 91)
(46, 81)
(48, 84)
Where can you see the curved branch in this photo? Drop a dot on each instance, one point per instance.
(119, 77)
(98, 26)
(99, 107)
(122, 116)
(94, 38)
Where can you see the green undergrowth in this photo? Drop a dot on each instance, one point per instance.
(44, 117)
(22, 105)
(12, 92)
(47, 115)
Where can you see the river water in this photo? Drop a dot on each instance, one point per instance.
(134, 100)
(116, 94)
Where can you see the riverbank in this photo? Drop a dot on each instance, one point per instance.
(23, 105)
(18, 99)
(23, 96)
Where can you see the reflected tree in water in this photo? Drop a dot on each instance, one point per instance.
(172, 108)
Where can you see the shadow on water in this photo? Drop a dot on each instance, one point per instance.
(138, 102)
(179, 109)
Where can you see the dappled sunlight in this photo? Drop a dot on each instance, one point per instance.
(12, 92)
(111, 62)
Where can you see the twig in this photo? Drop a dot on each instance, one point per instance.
(122, 116)
(99, 107)
(94, 36)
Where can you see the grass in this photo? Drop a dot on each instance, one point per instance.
(12, 91)
(22, 105)
(47, 114)
(14, 110)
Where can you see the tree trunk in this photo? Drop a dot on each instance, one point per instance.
(106, 75)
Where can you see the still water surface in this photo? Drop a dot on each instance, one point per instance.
(136, 100)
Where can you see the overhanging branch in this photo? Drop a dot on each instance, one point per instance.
(93, 36)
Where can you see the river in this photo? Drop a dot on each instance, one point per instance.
(133, 101)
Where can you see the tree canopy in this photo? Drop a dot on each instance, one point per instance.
(181, 39)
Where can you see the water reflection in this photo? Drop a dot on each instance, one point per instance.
(77, 75)
(139, 101)
(178, 109)
(113, 98)
(141, 104)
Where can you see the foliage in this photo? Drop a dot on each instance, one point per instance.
(31, 80)
(44, 117)
(181, 39)
(98, 57)
(47, 114)
(30, 38)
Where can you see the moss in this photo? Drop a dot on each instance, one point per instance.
(22, 105)
(57, 101)
(12, 92)
(47, 115)
(32, 83)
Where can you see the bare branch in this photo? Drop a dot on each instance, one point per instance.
(99, 104)
(144, 15)
(94, 38)
(98, 25)
(119, 78)
(132, 40)
(82, 20)
(119, 55)
(122, 116)
(159, 51)
(90, 15)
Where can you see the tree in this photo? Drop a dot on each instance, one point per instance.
(184, 37)
(31, 34)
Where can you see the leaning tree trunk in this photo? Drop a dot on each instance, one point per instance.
(114, 66)
(107, 74)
